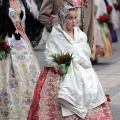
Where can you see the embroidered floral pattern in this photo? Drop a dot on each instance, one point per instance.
(34, 108)
(18, 73)
(45, 106)
(18, 76)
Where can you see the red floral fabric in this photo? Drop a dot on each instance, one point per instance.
(45, 106)
(34, 108)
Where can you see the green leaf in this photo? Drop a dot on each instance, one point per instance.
(2, 53)
(65, 58)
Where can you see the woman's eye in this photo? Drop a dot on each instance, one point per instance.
(70, 18)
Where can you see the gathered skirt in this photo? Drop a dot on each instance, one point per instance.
(19, 73)
(46, 107)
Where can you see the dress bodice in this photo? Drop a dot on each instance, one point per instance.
(14, 19)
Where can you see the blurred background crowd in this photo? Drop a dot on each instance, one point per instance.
(106, 22)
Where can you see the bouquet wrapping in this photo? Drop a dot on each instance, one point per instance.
(63, 60)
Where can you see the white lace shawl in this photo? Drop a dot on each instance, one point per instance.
(81, 89)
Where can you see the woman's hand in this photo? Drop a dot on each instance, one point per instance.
(53, 18)
(61, 71)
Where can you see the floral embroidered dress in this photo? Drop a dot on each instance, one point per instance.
(18, 73)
